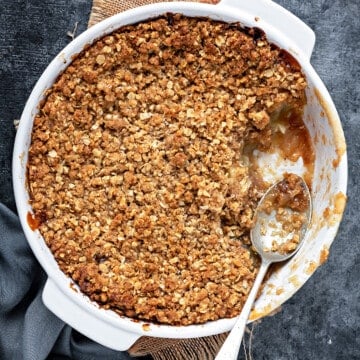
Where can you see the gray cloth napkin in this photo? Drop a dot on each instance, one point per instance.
(28, 330)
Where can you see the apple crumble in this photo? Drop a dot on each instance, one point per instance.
(289, 204)
(137, 171)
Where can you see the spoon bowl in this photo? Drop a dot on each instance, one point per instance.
(281, 220)
(262, 235)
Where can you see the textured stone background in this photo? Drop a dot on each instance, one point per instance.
(322, 321)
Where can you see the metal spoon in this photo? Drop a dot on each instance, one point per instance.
(260, 240)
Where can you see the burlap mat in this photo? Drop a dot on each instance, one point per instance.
(102, 9)
(160, 349)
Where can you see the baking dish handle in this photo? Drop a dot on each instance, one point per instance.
(71, 313)
(281, 19)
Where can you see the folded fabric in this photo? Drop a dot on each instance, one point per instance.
(28, 330)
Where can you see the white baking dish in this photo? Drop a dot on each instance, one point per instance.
(328, 187)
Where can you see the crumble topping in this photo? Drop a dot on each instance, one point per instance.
(137, 173)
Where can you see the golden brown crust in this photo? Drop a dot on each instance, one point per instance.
(136, 164)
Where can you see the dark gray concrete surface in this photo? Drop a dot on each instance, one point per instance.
(322, 321)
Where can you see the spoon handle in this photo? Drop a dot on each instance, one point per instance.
(231, 346)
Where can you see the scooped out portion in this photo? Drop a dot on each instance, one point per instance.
(140, 171)
(287, 205)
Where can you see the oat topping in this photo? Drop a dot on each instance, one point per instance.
(137, 171)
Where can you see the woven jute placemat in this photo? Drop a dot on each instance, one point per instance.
(204, 348)
(102, 9)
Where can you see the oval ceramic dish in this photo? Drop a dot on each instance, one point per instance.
(328, 186)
